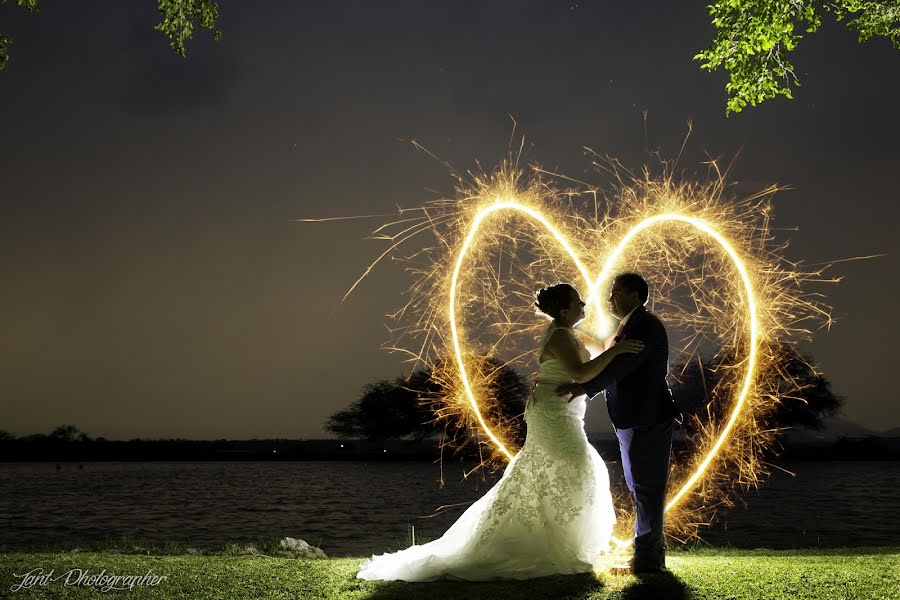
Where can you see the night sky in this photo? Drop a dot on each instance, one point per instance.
(155, 282)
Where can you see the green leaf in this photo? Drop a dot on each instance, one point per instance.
(181, 16)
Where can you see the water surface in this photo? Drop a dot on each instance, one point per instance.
(356, 508)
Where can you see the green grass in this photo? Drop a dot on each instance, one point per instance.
(227, 573)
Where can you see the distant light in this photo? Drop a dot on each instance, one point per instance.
(384, 450)
(342, 445)
(273, 451)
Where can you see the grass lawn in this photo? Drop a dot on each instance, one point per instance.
(228, 574)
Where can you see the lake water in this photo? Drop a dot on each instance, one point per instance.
(355, 508)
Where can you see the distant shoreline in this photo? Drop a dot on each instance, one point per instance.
(48, 449)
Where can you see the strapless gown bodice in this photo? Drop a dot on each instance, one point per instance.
(551, 373)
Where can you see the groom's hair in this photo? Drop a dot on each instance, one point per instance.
(633, 282)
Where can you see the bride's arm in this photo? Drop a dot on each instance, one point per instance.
(565, 348)
(595, 346)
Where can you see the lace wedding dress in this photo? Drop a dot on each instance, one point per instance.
(550, 513)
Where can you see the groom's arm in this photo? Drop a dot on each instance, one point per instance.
(652, 334)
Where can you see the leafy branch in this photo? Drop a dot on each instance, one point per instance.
(6, 40)
(754, 38)
(752, 43)
(179, 19)
(181, 16)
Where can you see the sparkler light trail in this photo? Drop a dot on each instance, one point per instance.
(454, 281)
(719, 282)
(609, 264)
(751, 317)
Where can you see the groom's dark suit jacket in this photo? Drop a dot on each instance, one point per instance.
(636, 389)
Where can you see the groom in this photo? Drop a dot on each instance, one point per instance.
(641, 409)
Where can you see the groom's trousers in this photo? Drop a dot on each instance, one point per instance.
(645, 460)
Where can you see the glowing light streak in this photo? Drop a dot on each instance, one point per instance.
(751, 313)
(592, 299)
(454, 329)
(743, 269)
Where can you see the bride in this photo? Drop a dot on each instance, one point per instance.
(551, 512)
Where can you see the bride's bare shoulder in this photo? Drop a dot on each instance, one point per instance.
(562, 336)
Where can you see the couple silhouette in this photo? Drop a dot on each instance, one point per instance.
(552, 512)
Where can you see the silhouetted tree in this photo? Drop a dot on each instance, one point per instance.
(68, 433)
(7, 442)
(400, 408)
(805, 394)
(385, 410)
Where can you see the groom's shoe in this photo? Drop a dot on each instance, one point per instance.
(646, 565)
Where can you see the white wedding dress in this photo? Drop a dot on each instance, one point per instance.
(550, 513)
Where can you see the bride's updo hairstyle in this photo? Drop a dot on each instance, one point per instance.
(551, 300)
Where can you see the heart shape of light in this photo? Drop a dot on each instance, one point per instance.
(593, 286)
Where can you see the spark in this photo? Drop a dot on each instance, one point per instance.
(720, 281)
(751, 315)
(454, 282)
(610, 263)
